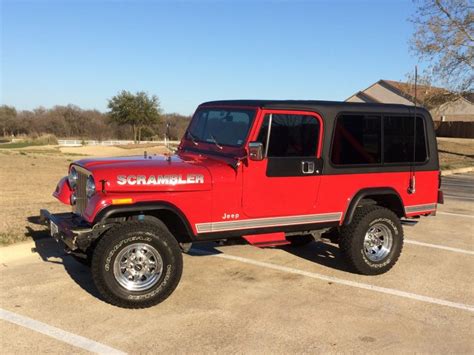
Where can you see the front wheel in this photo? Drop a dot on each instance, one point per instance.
(373, 241)
(137, 264)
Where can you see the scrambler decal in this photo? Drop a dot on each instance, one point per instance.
(160, 179)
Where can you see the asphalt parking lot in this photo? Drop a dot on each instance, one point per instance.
(249, 300)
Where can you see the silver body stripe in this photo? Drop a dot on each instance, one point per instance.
(267, 222)
(420, 208)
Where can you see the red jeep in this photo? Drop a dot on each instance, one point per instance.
(271, 172)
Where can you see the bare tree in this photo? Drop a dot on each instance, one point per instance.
(174, 125)
(61, 121)
(444, 36)
(428, 95)
(7, 120)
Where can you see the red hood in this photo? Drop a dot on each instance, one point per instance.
(183, 172)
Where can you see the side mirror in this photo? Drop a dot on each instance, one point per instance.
(256, 151)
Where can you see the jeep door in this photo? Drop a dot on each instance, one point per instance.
(286, 181)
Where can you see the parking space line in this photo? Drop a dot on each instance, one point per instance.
(58, 334)
(437, 246)
(458, 185)
(455, 214)
(458, 197)
(336, 280)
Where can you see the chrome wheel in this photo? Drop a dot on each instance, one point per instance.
(378, 242)
(138, 267)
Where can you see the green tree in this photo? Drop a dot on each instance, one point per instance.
(137, 110)
(7, 119)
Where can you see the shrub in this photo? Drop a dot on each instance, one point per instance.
(46, 139)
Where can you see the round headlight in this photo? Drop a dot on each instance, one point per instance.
(72, 178)
(73, 199)
(90, 187)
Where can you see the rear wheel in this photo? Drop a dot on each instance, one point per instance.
(137, 264)
(373, 241)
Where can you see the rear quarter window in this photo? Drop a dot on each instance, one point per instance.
(373, 139)
(398, 139)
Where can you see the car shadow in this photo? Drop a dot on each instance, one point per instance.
(204, 249)
(321, 253)
(51, 251)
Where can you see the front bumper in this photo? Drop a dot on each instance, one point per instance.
(69, 229)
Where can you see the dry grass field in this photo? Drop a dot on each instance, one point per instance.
(455, 152)
(29, 175)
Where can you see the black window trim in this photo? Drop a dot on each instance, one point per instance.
(382, 163)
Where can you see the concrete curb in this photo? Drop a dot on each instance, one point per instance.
(15, 251)
(457, 171)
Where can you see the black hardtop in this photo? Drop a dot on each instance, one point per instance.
(329, 110)
(319, 106)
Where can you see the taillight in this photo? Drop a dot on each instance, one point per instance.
(439, 179)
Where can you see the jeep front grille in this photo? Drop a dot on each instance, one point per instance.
(81, 196)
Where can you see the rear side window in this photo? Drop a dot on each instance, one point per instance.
(357, 140)
(398, 139)
(290, 135)
(363, 140)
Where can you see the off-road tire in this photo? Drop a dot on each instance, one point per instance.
(351, 239)
(155, 234)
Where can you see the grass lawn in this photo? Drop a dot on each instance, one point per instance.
(455, 153)
(17, 145)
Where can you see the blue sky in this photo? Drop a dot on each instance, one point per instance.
(187, 52)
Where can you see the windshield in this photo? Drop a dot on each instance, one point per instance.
(222, 127)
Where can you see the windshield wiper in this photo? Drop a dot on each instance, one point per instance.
(193, 139)
(215, 142)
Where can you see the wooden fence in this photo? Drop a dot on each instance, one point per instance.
(457, 129)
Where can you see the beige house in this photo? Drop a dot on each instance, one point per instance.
(395, 92)
(461, 109)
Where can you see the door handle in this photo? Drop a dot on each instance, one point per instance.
(307, 167)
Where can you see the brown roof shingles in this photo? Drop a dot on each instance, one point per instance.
(423, 92)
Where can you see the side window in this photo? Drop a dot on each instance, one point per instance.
(357, 140)
(290, 135)
(398, 139)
